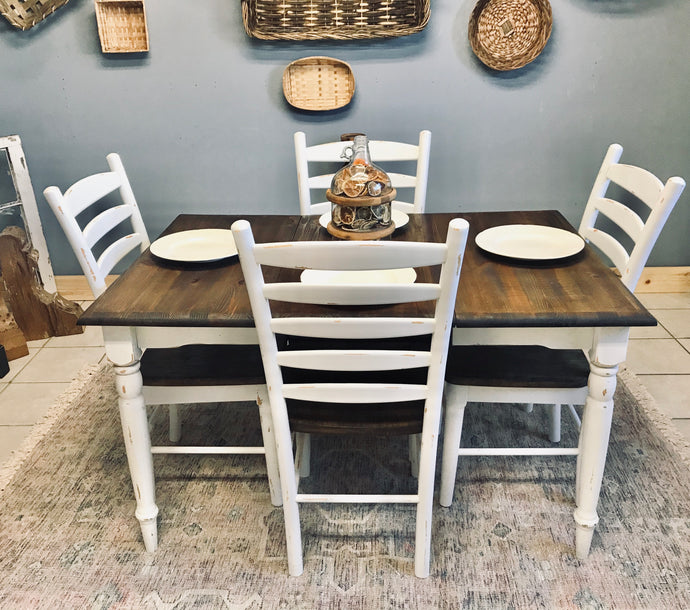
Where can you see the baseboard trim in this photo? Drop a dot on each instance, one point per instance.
(654, 279)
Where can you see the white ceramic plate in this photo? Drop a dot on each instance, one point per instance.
(399, 218)
(196, 246)
(406, 275)
(530, 242)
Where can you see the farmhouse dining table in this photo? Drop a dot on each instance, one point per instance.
(576, 302)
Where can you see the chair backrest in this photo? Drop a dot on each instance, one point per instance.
(660, 198)
(382, 151)
(80, 196)
(346, 256)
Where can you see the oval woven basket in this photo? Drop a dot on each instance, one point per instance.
(508, 34)
(318, 83)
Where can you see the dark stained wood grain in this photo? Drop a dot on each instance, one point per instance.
(493, 292)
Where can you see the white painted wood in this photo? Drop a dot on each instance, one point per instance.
(353, 328)
(553, 337)
(355, 393)
(660, 197)
(350, 255)
(337, 360)
(351, 294)
(193, 450)
(26, 201)
(378, 256)
(166, 336)
(124, 346)
(358, 498)
(85, 193)
(606, 348)
(381, 152)
(516, 451)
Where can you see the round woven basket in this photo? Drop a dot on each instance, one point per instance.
(508, 34)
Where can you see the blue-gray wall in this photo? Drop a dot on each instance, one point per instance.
(202, 124)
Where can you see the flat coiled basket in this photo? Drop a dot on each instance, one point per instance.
(508, 34)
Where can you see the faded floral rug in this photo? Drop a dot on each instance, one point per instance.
(69, 538)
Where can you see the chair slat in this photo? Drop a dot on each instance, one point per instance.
(353, 328)
(384, 150)
(351, 294)
(83, 193)
(608, 245)
(362, 360)
(636, 180)
(623, 216)
(342, 393)
(104, 222)
(117, 250)
(350, 255)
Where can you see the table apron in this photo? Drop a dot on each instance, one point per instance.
(604, 345)
(124, 345)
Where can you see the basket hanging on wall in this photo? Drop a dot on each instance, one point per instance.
(318, 83)
(122, 26)
(508, 34)
(334, 20)
(27, 13)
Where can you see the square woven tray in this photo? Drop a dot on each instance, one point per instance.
(122, 26)
(333, 19)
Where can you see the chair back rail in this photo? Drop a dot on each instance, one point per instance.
(382, 151)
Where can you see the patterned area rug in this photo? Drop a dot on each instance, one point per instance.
(69, 538)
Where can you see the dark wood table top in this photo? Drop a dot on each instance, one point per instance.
(580, 291)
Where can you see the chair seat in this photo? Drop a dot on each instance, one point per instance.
(203, 365)
(531, 366)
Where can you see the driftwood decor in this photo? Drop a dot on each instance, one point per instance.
(21, 197)
(11, 336)
(25, 14)
(39, 314)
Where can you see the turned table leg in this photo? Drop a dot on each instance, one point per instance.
(608, 351)
(135, 432)
(123, 351)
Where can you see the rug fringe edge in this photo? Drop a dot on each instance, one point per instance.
(40, 430)
(660, 419)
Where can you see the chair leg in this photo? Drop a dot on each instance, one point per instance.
(270, 448)
(456, 400)
(425, 493)
(414, 441)
(286, 465)
(175, 432)
(303, 445)
(555, 431)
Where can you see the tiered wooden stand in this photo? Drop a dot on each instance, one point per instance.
(357, 202)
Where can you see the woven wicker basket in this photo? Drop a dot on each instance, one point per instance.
(122, 26)
(318, 83)
(508, 34)
(333, 19)
(27, 13)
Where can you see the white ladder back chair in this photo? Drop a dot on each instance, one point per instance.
(535, 374)
(318, 360)
(172, 376)
(660, 198)
(78, 198)
(382, 151)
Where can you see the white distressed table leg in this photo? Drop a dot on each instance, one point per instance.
(124, 353)
(610, 346)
